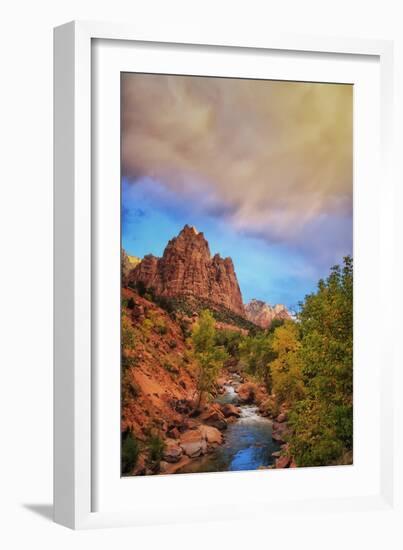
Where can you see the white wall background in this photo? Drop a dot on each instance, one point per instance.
(26, 270)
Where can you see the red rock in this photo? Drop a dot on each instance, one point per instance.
(282, 417)
(280, 431)
(283, 462)
(247, 392)
(214, 417)
(173, 433)
(211, 435)
(140, 467)
(170, 468)
(230, 410)
(187, 269)
(193, 443)
(172, 451)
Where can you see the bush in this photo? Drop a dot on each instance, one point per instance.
(130, 303)
(130, 390)
(147, 325)
(128, 362)
(170, 368)
(130, 452)
(156, 448)
(161, 328)
(128, 340)
(231, 341)
(140, 287)
(165, 303)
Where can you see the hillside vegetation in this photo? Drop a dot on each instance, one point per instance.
(299, 372)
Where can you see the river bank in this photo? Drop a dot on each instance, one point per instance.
(247, 442)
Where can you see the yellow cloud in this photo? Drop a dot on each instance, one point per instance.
(277, 154)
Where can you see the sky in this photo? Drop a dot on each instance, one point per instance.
(263, 168)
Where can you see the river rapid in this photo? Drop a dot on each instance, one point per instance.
(248, 443)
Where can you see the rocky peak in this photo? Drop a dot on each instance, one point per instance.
(263, 314)
(187, 269)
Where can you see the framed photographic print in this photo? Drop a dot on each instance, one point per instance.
(219, 246)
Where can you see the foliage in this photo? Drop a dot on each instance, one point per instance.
(130, 452)
(161, 328)
(276, 323)
(286, 369)
(209, 357)
(130, 389)
(226, 316)
(128, 361)
(128, 340)
(170, 367)
(257, 353)
(147, 325)
(155, 447)
(230, 340)
(322, 421)
(139, 287)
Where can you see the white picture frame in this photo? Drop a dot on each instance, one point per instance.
(78, 206)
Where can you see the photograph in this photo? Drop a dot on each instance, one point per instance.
(236, 274)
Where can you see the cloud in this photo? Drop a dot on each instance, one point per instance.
(274, 158)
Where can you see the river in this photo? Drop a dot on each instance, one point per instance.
(248, 443)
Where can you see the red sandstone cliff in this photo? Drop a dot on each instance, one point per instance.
(187, 269)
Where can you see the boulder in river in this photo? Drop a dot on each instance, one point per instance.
(230, 410)
(213, 416)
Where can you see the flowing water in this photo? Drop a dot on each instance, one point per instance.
(248, 444)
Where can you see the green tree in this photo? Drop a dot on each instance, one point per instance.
(156, 447)
(257, 353)
(230, 340)
(209, 356)
(286, 369)
(130, 452)
(322, 421)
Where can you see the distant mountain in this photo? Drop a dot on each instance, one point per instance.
(188, 270)
(128, 263)
(133, 260)
(262, 314)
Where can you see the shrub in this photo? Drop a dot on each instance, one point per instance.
(156, 448)
(161, 328)
(170, 368)
(140, 287)
(130, 452)
(130, 303)
(147, 325)
(128, 362)
(128, 340)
